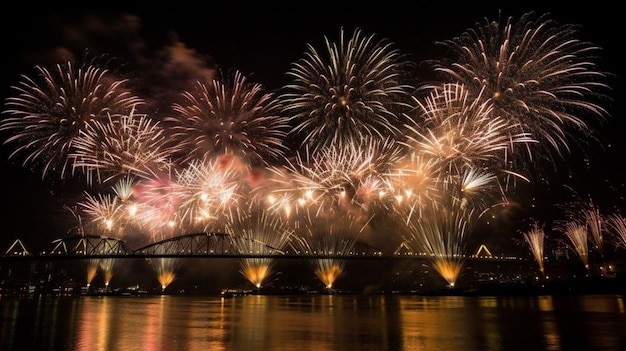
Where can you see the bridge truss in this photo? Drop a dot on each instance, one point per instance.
(210, 244)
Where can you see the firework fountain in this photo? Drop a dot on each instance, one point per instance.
(596, 226)
(617, 223)
(440, 233)
(535, 239)
(257, 232)
(332, 235)
(92, 271)
(577, 241)
(166, 269)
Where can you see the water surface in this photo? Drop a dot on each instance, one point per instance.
(314, 322)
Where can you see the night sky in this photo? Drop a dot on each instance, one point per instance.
(263, 40)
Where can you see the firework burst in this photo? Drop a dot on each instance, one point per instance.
(352, 177)
(418, 184)
(232, 115)
(413, 181)
(459, 131)
(458, 152)
(537, 74)
(121, 145)
(156, 204)
(355, 89)
(47, 114)
(478, 190)
(206, 191)
(105, 212)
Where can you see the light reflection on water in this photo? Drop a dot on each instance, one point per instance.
(339, 322)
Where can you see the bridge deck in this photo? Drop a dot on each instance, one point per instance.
(203, 245)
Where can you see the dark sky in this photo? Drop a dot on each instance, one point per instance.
(262, 40)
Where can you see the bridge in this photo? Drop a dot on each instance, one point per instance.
(200, 245)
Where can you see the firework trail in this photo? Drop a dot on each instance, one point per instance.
(48, 112)
(535, 238)
(257, 232)
(121, 145)
(116, 214)
(538, 75)
(355, 89)
(232, 115)
(130, 208)
(123, 189)
(475, 190)
(596, 226)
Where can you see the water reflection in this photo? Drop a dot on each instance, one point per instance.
(324, 322)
